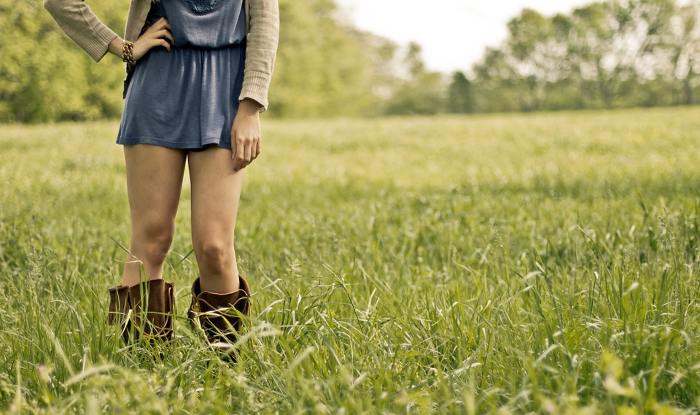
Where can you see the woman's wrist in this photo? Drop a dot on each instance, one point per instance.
(116, 47)
(123, 49)
(249, 106)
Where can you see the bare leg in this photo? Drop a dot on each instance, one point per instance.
(216, 191)
(154, 181)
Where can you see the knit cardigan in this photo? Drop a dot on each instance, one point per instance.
(262, 27)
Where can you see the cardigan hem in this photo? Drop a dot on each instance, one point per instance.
(255, 87)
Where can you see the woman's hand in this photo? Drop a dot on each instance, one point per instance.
(157, 34)
(246, 134)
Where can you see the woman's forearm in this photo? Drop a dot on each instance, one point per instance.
(116, 47)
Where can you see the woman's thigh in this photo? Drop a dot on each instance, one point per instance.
(154, 181)
(216, 191)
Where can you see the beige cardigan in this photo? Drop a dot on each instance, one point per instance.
(262, 28)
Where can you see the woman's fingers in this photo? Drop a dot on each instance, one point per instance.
(239, 155)
(164, 34)
(158, 34)
(248, 152)
(168, 35)
(244, 151)
(233, 145)
(164, 43)
(161, 23)
(246, 134)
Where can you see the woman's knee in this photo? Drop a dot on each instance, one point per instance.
(215, 256)
(153, 239)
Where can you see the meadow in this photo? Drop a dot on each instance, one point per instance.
(538, 263)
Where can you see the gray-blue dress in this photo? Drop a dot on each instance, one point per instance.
(187, 98)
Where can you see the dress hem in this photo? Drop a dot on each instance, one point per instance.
(192, 146)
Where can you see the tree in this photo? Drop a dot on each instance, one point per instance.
(460, 99)
(324, 68)
(422, 92)
(605, 54)
(44, 76)
(536, 56)
(683, 46)
(496, 83)
(613, 44)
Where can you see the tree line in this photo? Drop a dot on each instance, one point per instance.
(605, 55)
(608, 54)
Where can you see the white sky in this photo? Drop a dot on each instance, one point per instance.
(453, 33)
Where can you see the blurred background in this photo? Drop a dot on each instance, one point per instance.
(359, 58)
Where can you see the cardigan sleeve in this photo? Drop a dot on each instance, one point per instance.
(77, 20)
(261, 49)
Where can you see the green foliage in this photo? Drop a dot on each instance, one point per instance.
(602, 55)
(460, 94)
(44, 76)
(423, 92)
(324, 68)
(551, 267)
(422, 95)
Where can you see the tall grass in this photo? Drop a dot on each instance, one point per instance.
(540, 263)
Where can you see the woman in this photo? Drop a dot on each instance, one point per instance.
(199, 72)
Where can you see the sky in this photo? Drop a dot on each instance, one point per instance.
(453, 33)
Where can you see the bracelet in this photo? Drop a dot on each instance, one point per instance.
(128, 52)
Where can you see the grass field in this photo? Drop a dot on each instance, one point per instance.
(542, 263)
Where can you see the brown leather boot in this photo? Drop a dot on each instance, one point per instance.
(153, 299)
(220, 315)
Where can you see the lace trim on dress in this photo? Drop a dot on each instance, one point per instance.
(201, 6)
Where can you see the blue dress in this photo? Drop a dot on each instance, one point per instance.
(187, 98)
